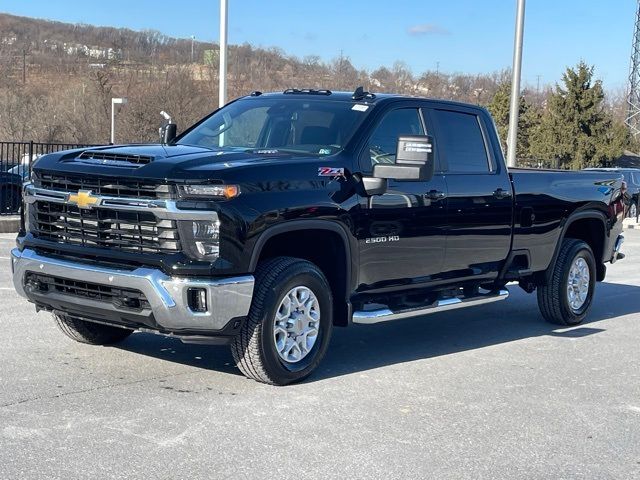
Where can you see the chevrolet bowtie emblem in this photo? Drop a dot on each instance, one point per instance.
(83, 199)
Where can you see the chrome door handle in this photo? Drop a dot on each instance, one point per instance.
(500, 194)
(435, 195)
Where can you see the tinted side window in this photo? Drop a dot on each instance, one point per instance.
(384, 140)
(461, 141)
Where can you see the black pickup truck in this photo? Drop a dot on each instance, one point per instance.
(282, 215)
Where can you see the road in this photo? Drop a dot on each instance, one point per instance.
(489, 392)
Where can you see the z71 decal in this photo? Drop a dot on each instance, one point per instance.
(330, 172)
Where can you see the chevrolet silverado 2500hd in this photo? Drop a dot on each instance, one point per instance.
(282, 215)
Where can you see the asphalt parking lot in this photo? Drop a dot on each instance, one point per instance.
(489, 392)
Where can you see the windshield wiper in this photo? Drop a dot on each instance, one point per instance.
(213, 149)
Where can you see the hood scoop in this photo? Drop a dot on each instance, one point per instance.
(97, 157)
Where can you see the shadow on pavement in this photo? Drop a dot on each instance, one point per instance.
(360, 348)
(211, 357)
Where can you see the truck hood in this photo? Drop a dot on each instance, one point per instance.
(154, 161)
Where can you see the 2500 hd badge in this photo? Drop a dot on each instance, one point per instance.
(390, 238)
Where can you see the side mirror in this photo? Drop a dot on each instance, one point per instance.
(169, 131)
(415, 160)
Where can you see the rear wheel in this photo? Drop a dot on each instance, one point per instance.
(289, 324)
(566, 298)
(89, 332)
(632, 212)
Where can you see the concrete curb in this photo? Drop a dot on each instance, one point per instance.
(9, 224)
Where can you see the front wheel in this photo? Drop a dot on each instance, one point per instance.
(632, 212)
(288, 328)
(567, 296)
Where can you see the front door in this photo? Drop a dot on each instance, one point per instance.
(480, 200)
(401, 234)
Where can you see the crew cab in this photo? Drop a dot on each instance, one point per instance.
(281, 216)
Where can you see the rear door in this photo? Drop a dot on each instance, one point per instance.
(480, 202)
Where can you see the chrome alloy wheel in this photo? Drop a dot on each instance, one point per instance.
(578, 284)
(297, 324)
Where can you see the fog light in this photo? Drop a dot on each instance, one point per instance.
(197, 298)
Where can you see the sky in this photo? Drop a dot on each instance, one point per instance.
(454, 36)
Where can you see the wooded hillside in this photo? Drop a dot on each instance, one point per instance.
(57, 81)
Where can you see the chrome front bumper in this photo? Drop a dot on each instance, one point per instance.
(227, 298)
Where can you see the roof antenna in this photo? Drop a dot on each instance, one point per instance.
(361, 94)
(358, 94)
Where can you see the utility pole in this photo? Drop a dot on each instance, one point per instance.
(24, 67)
(538, 84)
(222, 94)
(512, 137)
(437, 68)
(193, 37)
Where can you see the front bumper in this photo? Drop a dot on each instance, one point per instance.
(227, 298)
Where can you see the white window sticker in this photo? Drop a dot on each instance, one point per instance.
(360, 108)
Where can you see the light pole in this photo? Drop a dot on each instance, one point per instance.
(514, 110)
(222, 94)
(114, 101)
(193, 38)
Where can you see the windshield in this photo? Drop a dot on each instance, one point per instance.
(296, 125)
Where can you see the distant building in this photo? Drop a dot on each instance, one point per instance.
(9, 40)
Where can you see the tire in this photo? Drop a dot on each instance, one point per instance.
(256, 349)
(633, 209)
(89, 332)
(554, 297)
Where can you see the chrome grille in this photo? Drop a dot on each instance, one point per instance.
(115, 187)
(127, 231)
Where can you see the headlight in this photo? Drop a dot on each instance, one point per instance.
(199, 191)
(207, 238)
(201, 238)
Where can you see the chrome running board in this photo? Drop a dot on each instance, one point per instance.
(385, 314)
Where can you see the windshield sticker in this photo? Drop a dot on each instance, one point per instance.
(360, 108)
(330, 172)
(324, 151)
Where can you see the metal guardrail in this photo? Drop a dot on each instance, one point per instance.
(16, 159)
